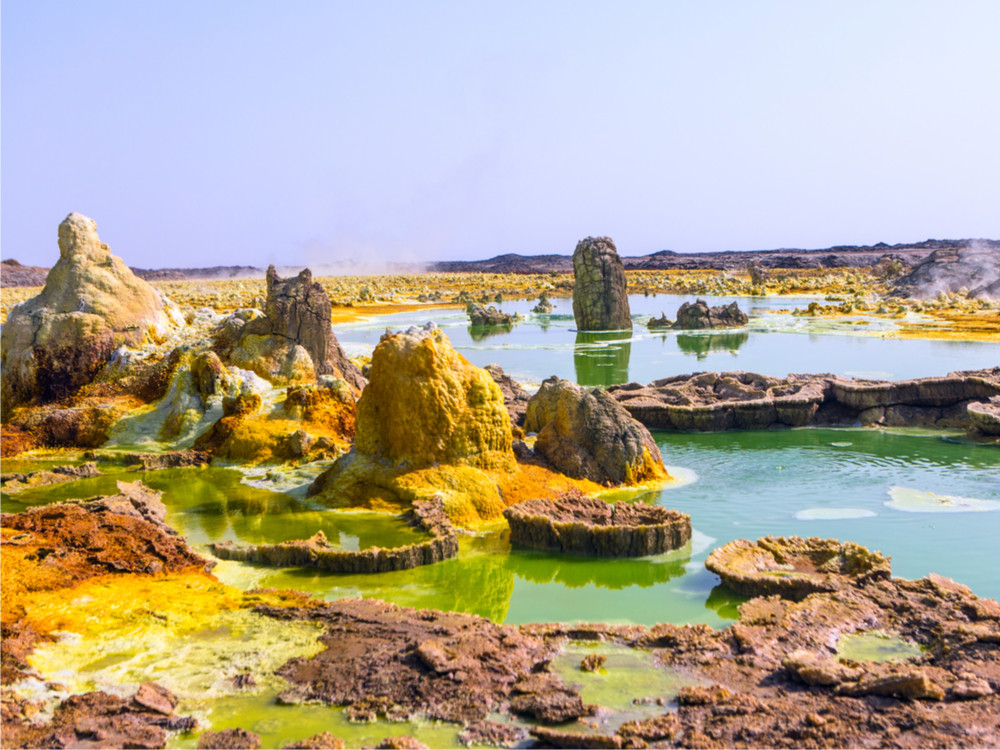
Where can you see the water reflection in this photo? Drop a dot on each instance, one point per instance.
(701, 344)
(575, 572)
(602, 357)
(479, 333)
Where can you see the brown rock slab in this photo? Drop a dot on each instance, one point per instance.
(228, 739)
(793, 567)
(698, 315)
(587, 526)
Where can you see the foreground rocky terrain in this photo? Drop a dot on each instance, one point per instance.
(774, 679)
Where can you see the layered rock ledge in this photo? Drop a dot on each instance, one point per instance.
(709, 401)
(586, 526)
(316, 552)
(793, 567)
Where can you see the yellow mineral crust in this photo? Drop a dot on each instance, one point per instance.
(426, 404)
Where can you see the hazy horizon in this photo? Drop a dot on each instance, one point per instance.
(249, 133)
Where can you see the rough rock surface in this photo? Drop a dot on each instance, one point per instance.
(57, 545)
(515, 398)
(229, 739)
(600, 298)
(316, 552)
(975, 268)
(586, 526)
(293, 340)
(488, 316)
(91, 305)
(698, 315)
(586, 434)
(793, 567)
(985, 417)
(710, 401)
(426, 404)
(387, 660)
(770, 680)
(97, 720)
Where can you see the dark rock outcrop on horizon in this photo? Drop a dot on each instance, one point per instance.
(600, 295)
(698, 315)
(13, 273)
(711, 402)
(588, 526)
(839, 256)
(975, 269)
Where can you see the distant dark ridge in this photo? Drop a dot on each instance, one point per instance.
(199, 274)
(841, 256)
(13, 273)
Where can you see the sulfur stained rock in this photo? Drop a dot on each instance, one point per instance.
(793, 567)
(587, 526)
(429, 424)
(698, 315)
(600, 298)
(426, 404)
(91, 305)
(587, 434)
(321, 741)
(292, 342)
(15, 482)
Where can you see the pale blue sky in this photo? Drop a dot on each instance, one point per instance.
(204, 133)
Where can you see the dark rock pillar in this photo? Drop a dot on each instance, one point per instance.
(600, 301)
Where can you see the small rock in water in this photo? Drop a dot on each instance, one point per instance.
(592, 662)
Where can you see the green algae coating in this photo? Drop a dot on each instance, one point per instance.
(630, 684)
(192, 665)
(874, 645)
(279, 725)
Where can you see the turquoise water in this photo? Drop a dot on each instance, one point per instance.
(772, 344)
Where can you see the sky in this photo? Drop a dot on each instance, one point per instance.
(299, 131)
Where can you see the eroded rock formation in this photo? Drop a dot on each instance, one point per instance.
(698, 315)
(600, 298)
(91, 305)
(586, 434)
(316, 552)
(710, 401)
(793, 567)
(587, 526)
(293, 341)
(488, 316)
(428, 423)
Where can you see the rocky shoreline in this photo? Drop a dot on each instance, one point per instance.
(710, 402)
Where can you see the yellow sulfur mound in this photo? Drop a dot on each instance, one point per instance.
(426, 404)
